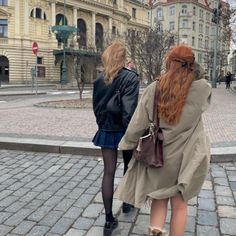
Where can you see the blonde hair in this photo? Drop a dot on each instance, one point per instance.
(175, 83)
(113, 59)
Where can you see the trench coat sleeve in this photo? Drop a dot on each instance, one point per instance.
(203, 101)
(139, 122)
(129, 100)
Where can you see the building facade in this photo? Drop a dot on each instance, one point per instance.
(28, 21)
(192, 23)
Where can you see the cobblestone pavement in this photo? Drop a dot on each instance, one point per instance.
(52, 194)
(25, 120)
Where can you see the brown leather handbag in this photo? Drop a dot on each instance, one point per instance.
(149, 150)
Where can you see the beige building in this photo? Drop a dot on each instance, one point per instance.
(191, 21)
(28, 21)
(233, 62)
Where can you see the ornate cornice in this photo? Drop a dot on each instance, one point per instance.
(110, 9)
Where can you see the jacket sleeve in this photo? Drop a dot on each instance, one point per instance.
(139, 123)
(129, 100)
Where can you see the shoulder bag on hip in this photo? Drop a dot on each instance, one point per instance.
(149, 150)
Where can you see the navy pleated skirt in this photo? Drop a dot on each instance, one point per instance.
(107, 139)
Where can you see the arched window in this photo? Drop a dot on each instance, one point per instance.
(38, 13)
(61, 19)
(99, 36)
(81, 31)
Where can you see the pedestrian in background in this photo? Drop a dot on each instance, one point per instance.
(131, 65)
(184, 96)
(111, 127)
(228, 80)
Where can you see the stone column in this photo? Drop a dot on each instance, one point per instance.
(110, 26)
(75, 16)
(53, 13)
(122, 4)
(93, 31)
(17, 18)
(123, 28)
(26, 18)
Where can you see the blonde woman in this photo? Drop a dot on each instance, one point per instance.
(112, 126)
(184, 96)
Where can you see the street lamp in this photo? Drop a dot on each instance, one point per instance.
(63, 32)
(216, 19)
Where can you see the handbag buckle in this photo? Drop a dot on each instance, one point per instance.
(152, 128)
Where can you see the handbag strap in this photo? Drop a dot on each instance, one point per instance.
(155, 105)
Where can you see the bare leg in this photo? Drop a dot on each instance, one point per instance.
(178, 216)
(158, 213)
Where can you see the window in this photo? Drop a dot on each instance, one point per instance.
(200, 28)
(159, 13)
(134, 13)
(201, 13)
(113, 30)
(41, 71)
(38, 13)
(172, 25)
(207, 30)
(207, 16)
(172, 10)
(206, 43)
(194, 25)
(194, 11)
(184, 9)
(184, 23)
(199, 58)
(40, 60)
(3, 3)
(200, 42)
(3, 28)
(193, 41)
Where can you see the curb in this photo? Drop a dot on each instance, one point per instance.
(20, 93)
(220, 154)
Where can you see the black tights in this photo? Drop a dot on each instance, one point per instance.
(110, 161)
(127, 155)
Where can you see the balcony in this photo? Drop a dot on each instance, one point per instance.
(3, 41)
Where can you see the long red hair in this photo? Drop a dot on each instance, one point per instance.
(175, 83)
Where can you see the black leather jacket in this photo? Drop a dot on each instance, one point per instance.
(129, 99)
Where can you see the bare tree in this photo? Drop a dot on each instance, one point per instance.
(148, 48)
(76, 68)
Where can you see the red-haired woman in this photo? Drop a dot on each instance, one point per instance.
(112, 126)
(184, 96)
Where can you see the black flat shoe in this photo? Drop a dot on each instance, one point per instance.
(126, 207)
(109, 227)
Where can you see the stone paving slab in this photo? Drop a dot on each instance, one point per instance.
(55, 194)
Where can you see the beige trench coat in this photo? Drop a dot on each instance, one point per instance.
(186, 150)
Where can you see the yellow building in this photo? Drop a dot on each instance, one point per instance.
(23, 22)
(191, 21)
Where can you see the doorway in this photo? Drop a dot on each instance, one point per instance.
(4, 69)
